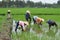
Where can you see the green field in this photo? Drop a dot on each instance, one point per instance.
(49, 35)
(33, 10)
(39, 33)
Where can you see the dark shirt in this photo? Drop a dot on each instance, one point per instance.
(27, 15)
(50, 22)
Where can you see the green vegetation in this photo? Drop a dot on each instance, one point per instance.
(49, 35)
(40, 34)
(33, 10)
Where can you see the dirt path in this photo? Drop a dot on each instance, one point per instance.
(5, 33)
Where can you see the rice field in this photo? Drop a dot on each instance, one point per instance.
(41, 33)
(33, 10)
(35, 32)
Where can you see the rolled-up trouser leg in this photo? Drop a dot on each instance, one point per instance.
(17, 26)
(30, 19)
(26, 19)
(55, 24)
(34, 21)
(22, 28)
(49, 27)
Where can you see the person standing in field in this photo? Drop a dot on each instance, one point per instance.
(38, 20)
(9, 14)
(9, 23)
(28, 16)
(23, 25)
(52, 23)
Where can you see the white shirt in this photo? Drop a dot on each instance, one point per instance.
(35, 17)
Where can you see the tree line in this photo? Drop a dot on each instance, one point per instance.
(32, 4)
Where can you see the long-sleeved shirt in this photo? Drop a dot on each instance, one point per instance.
(27, 15)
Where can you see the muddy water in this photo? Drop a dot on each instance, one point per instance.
(42, 33)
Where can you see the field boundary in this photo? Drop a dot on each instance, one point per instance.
(31, 14)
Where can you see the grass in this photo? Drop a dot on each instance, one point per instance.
(1, 21)
(40, 33)
(33, 10)
(46, 17)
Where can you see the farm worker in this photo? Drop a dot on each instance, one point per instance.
(38, 20)
(28, 16)
(23, 25)
(34, 19)
(51, 23)
(9, 14)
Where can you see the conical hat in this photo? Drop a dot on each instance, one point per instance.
(9, 10)
(26, 23)
(42, 20)
(28, 11)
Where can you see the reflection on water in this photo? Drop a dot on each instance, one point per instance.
(58, 33)
(52, 33)
(32, 31)
(42, 32)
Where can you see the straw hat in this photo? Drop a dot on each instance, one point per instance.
(26, 22)
(9, 10)
(28, 11)
(42, 20)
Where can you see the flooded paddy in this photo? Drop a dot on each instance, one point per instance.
(37, 33)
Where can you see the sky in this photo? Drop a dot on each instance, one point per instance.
(45, 1)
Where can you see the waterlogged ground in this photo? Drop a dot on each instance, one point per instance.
(37, 33)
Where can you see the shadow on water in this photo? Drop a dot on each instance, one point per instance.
(52, 33)
(37, 29)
